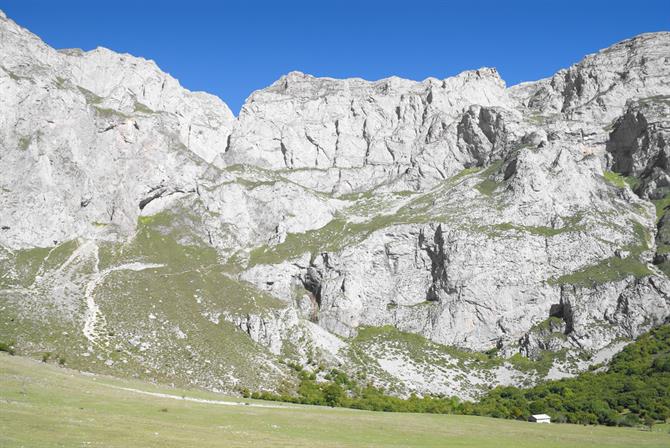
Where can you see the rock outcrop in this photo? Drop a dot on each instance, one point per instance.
(150, 232)
(87, 137)
(343, 136)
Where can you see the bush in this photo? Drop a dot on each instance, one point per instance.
(634, 389)
(333, 394)
(629, 420)
(636, 382)
(7, 347)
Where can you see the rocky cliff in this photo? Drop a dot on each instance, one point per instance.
(439, 236)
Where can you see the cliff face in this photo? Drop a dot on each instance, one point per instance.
(86, 135)
(388, 227)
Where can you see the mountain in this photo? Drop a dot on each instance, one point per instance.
(442, 236)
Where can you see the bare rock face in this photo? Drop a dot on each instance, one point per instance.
(339, 222)
(598, 88)
(90, 136)
(129, 84)
(639, 145)
(353, 135)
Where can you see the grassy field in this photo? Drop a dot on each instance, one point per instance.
(46, 406)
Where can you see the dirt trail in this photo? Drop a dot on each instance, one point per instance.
(94, 321)
(202, 400)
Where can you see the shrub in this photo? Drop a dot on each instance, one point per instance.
(7, 347)
(634, 389)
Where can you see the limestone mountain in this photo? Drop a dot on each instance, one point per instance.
(440, 236)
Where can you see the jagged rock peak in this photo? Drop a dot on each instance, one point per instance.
(597, 88)
(74, 120)
(120, 77)
(462, 211)
(299, 84)
(387, 127)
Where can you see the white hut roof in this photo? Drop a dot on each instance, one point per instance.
(540, 416)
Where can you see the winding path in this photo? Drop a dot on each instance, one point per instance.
(93, 318)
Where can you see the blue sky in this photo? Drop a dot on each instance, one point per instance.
(233, 48)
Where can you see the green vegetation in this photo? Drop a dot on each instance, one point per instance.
(538, 119)
(16, 77)
(95, 101)
(417, 348)
(542, 365)
(664, 267)
(533, 230)
(466, 172)
(337, 390)
(664, 99)
(334, 388)
(632, 182)
(7, 347)
(608, 270)
(487, 187)
(661, 205)
(45, 406)
(620, 181)
(435, 206)
(634, 390)
(614, 178)
(613, 268)
(50, 333)
(184, 295)
(107, 112)
(341, 232)
(493, 168)
(168, 322)
(91, 98)
(61, 83)
(548, 325)
(24, 142)
(143, 109)
(21, 267)
(332, 237)
(250, 177)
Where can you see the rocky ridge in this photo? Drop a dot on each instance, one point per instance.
(397, 229)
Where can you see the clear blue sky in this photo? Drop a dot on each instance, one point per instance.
(233, 48)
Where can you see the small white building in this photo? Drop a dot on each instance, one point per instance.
(540, 418)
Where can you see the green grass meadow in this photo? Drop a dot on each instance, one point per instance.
(42, 405)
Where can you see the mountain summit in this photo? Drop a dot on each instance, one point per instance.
(396, 229)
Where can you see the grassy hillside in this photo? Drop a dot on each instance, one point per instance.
(153, 307)
(47, 406)
(634, 389)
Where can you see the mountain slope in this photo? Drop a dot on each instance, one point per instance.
(390, 228)
(633, 389)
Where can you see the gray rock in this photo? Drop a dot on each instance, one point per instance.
(463, 212)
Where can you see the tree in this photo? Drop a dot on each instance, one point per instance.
(333, 394)
(649, 421)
